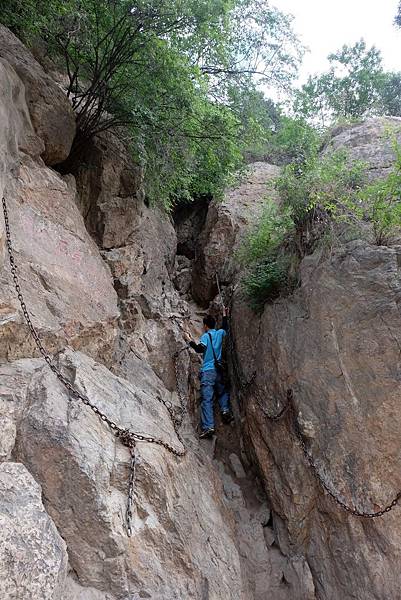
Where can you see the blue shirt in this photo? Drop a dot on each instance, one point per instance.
(217, 339)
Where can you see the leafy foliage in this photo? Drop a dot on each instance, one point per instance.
(351, 88)
(354, 87)
(268, 235)
(325, 197)
(322, 181)
(267, 280)
(294, 142)
(314, 195)
(180, 76)
(267, 266)
(380, 203)
(390, 95)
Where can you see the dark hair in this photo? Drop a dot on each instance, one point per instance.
(209, 321)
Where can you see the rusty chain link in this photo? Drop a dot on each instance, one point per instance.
(249, 387)
(131, 484)
(127, 438)
(318, 476)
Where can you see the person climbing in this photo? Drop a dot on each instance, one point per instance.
(211, 375)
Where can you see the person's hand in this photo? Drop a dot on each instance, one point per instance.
(224, 311)
(187, 337)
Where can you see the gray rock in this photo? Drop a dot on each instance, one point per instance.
(189, 220)
(33, 557)
(65, 283)
(52, 116)
(226, 224)
(182, 531)
(183, 275)
(110, 191)
(370, 142)
(236, 466)
(336, 344)
(75, 591)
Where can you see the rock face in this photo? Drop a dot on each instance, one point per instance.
(63, 277)
(109, 292)
(370, 142)
(189, 221)
(98, 271)
(182, 532)
(139, 245)
(110, 191)
(51, 113)
(225, 223)
(33, 557)
(335, 344)
(149, 303)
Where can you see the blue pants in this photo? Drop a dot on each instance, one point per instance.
(212, 382)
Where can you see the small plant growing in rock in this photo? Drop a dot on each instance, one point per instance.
(321, 193)
(263, 255)
(317, 195)
(380, 203)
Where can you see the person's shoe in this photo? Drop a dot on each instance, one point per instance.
(206, 434)
(227, 417)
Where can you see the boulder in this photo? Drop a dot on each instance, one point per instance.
(226, 224)
(33, 556)
(336, 344)
(14, 382)
(151, 307)
(183, 540)
(75, 591)
(139, 245)
(16, 131)
(183, 275)
(52, 116)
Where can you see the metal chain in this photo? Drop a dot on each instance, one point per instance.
(351, 510)
(131, 484)
(289, 405)
(127, 438)
(318, 476)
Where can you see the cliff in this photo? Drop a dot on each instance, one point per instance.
(111, 286)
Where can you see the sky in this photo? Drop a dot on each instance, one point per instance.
(324, 26)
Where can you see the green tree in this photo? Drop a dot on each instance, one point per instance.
(180, 76)
(350, 89)
(294, 141)
(390, 95)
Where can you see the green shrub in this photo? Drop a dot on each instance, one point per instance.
(323, 199)
(314, 194)
(320, 193)
(181, 79)
(380, 203)
(290, 141)
(267, 267)
(295, 142)
(270, 231)
(326, 183)
(267, 279)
